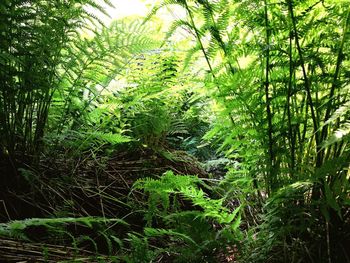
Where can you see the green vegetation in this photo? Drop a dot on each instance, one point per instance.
(222, 137)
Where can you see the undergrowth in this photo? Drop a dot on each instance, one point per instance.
(223, 137)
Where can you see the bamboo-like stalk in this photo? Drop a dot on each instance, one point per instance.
(271, 176)
(30, 72)
(305, 76)
(330, 105)
(289, 94)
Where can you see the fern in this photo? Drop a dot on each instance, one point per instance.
(140, 251)
(107, 137)
(49, 28)
(191, 230)
(18, 228)
(153, 232)
(96, 63)
(160, 190)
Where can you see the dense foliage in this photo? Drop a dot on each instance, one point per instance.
(256, 90)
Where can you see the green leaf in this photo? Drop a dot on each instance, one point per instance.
(330, 199)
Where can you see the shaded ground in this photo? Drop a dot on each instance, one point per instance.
(89, 186)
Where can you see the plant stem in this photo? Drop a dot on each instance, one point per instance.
(306, 78)
(268, 99)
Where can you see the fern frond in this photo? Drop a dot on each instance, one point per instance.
(18, 227)
(180, 23)
(107, 137)
(157, 232)
(95, 5)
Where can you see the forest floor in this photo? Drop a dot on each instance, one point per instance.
(88, 186)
